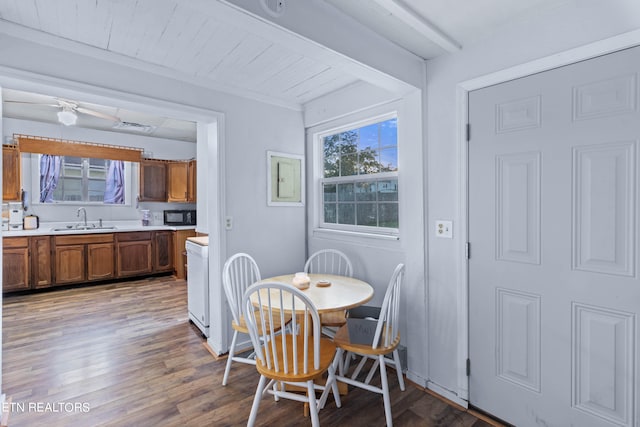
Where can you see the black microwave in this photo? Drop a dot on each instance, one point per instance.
(180, 217)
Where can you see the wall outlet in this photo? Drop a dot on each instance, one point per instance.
(444, 229)
(228, 223)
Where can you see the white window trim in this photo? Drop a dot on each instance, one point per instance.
(319, 226)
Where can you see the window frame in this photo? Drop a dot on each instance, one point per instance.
(320, 180)
(35, 187)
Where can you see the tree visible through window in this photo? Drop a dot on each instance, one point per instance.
(360, 178)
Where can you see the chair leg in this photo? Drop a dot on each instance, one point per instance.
(385, 392)
(230, 358)
(256, 401)
(313, 406)
(396, 358)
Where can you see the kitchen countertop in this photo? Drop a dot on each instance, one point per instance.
(200, 240)
(47, 228)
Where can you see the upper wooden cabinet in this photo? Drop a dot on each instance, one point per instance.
(11, 173)
(181, 181)
(177, 181)
(192, 181)
(153, 180)
(168, 181)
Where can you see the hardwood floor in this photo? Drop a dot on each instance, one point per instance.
(125, 354)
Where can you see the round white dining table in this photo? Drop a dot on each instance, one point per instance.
(343, 292)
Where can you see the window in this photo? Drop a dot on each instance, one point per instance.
(78, 179)
(360, 177)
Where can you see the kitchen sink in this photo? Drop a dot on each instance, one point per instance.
(83, 228)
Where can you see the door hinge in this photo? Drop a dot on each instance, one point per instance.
(468, 130)
(468, 367)
(467, 250)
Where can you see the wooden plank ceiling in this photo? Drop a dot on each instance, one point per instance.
(184, 36)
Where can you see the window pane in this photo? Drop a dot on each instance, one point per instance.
(389, 133)
(329, 192)
(353, 155)
(346, 213)
(72, 171)
(348, 142)
(97, 162)
(368, 162)
(365, 191)
(388, 214)
(71, 189)
(330, 213)
(367, 214)
(368, 137)
(388, 190)
(345, 193)
(389, 159)
(331, 167)
(69, 160)
(349, 165)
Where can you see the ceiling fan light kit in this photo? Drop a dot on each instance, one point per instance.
(67, 117)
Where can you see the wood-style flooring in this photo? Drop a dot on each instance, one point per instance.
(125, 354)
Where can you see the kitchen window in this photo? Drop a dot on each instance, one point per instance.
(77, 179)
(359, 182)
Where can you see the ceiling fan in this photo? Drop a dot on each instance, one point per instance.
(69, 110)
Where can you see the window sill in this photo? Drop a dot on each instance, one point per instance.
(327, 232)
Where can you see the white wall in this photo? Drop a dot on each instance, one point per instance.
(571, 24)
(374, 259)
(161, 148)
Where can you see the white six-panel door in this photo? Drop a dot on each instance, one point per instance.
(554, 293)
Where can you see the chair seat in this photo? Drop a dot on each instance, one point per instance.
(242, 327)
(333, 318)
(342, 340)
(327, 352)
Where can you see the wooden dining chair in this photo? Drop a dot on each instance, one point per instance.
(239, 272)
(385, 342)
(288, 359)
(330, 261)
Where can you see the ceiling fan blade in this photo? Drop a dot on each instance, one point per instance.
(32, 103)
(97, 114)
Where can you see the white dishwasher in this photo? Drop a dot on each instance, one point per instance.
(198, 282)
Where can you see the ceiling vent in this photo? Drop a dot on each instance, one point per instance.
(135, 127)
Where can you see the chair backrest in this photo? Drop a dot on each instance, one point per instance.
(263, 303)
(388, 328)
(329, 261)
(239, 272)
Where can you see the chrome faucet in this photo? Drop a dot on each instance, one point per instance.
(84, 211)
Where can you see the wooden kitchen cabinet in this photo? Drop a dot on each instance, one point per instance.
(180, 252)
(15, 264)
(41, 268)
(100, 261)
(181, 181)
(162, 251)
(177, 181)
(70, 264)
(11, 175)
(192, 181)
(153, 180)
(83, 258)
(134, 254)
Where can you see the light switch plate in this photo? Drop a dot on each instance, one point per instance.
(444, 229)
